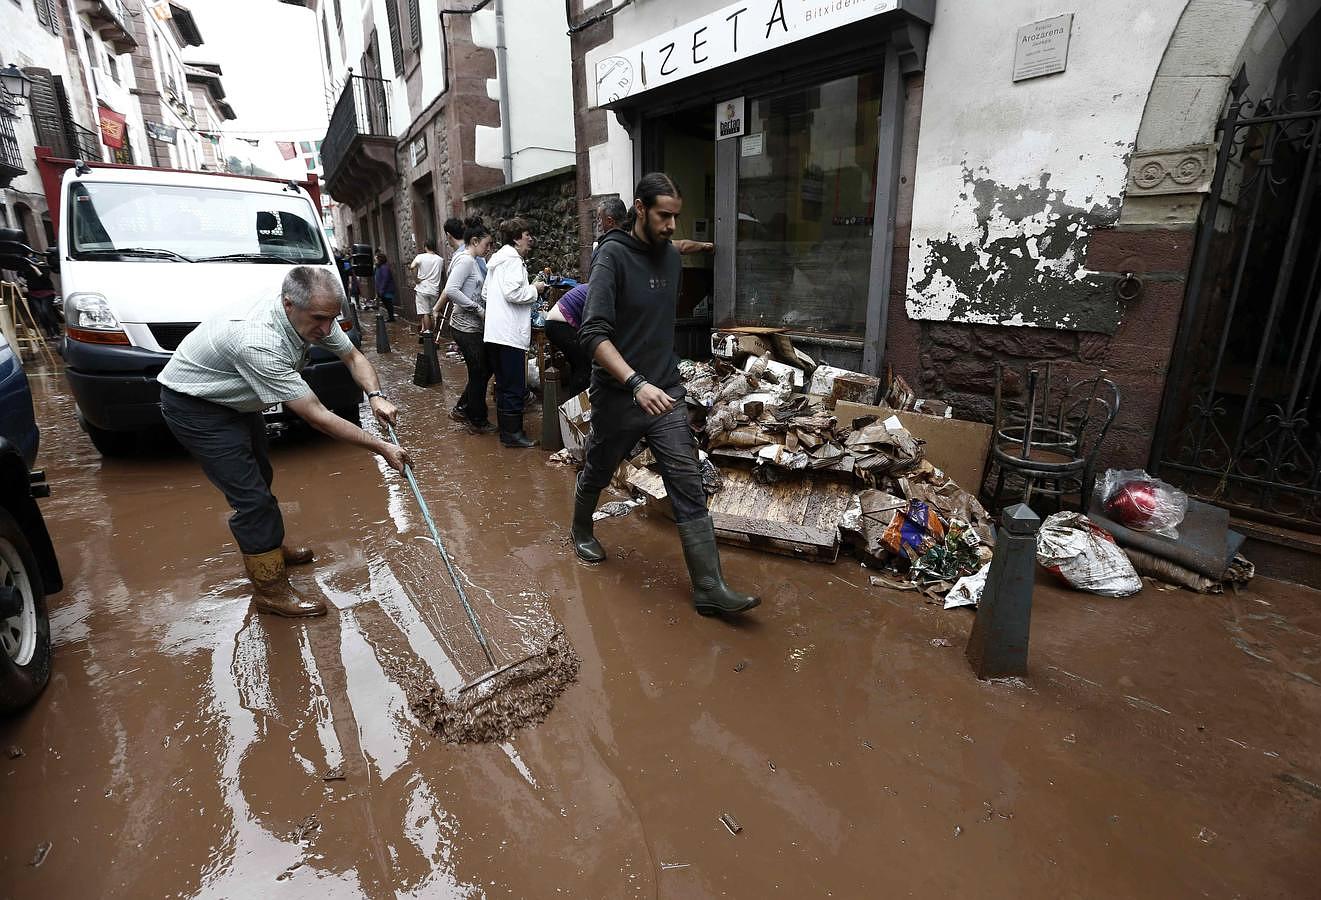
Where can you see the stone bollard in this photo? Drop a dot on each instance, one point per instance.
(997, 647)
(551, 439)
(426, 372)
(382, 338)
(433, 358)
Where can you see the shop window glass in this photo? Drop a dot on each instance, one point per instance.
(806, 191)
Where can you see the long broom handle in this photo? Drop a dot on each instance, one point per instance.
(440, 545)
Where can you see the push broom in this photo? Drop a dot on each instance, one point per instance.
(496, 703)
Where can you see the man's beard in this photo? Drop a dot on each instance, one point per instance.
(653, 237)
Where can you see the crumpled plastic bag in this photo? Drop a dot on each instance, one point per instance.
(913, 531)
(1136, 500)
(967, 591)
(1086, 556)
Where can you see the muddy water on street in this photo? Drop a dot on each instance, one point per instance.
(1163, 746)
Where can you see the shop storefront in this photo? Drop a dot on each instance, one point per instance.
(781, 121)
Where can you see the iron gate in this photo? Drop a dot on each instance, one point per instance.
(1241, 421)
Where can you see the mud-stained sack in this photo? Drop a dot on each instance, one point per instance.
(1086, 556)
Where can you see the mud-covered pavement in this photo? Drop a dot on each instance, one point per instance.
(1164, 746)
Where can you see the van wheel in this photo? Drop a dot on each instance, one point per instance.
(24, 626)
(110, 443)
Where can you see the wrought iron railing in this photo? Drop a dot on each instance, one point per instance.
(85, 143)
(363, 108)
(1242, 418)
(11, 159)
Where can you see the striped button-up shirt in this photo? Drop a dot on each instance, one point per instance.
(246, 363)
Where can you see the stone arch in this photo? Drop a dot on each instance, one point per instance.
(1173, 157)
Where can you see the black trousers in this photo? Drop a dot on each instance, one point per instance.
(565, 339)
(509, 364)
(617, 425)
(473, 401)
(232, 448)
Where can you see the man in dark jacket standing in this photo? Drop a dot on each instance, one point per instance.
(628, 330)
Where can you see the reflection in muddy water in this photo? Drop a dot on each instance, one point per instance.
(187, 747)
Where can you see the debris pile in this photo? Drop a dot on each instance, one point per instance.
(785, 474)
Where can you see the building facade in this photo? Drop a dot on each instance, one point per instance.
(164, 31)
(210, 113)
(938, 185)
(49, 41)
(434, 102)
(106, 81)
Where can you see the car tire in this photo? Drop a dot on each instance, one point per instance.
(24, 639)
(111, 443)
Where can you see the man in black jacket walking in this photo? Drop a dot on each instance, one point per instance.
(628, 330)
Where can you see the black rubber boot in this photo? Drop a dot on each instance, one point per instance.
(585, 544)
(711, 596)
(511, 431)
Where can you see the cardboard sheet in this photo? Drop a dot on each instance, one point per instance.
(956, 446)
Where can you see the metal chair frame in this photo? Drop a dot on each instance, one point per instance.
(1072, 430)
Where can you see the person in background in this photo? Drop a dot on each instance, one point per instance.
(562, 331)
(355, 289)
(508, 328)
(453, 229)
(476, 222)
(463, 292)
(427, 267)
(41, 297)
(611, 214)
(628, 328)
(385, 287)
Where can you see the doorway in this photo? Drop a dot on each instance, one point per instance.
(1241, 422)
(681, 144)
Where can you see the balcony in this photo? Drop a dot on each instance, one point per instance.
(111, 20)
(359, 148)
(85, 143)
(11, 160)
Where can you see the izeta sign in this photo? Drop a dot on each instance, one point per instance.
(736, 32)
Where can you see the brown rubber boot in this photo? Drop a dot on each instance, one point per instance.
(296, 556)
(274, 592)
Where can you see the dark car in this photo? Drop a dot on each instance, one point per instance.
(29, 569)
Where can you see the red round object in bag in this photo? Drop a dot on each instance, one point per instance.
(1134, 504)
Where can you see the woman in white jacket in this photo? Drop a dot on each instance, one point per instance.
(508, 332)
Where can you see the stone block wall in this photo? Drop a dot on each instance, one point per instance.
(550, 205)
(955, 362)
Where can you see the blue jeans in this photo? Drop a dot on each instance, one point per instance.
(509, 364)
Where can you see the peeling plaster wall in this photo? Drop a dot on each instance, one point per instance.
(1013, 178)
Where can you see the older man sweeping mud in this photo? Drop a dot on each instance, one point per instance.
(628, 329)
(213, 392)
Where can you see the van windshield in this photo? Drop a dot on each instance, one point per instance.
(188, 224)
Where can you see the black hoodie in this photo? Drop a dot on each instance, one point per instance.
(631, 297)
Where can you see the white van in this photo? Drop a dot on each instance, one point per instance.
(147, 254)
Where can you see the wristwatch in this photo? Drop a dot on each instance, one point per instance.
(381, 394)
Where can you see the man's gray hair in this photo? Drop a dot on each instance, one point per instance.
(614, 208)
(304, 282)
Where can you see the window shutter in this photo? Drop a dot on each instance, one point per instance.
(396, 42)
(414, 25)
(76, 147)
(46, 120)
(48, 14)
